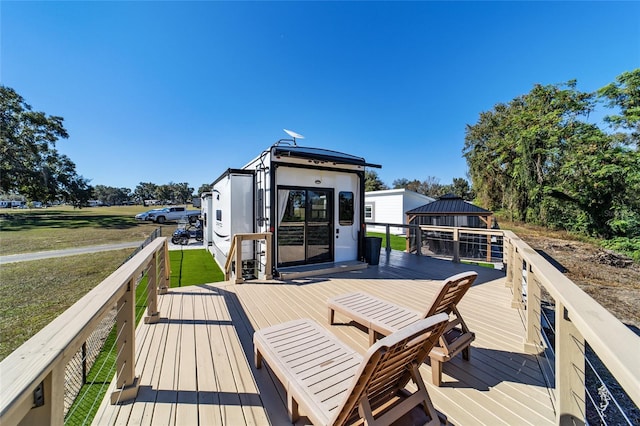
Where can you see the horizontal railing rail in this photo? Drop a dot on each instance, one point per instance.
(33, 375)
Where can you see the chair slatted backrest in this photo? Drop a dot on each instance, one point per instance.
(451, 292)
(386, 368)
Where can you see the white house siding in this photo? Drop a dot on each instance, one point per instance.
(389, 206)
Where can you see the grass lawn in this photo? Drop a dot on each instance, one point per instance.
(33, 293)
(397, 242)
(24, 231)
(192, 267)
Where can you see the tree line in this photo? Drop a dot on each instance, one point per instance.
(540, 160)
(431, 186)
(171, 193)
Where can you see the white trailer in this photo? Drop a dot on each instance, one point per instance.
(311, 199)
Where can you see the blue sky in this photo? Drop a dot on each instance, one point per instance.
(181, 91)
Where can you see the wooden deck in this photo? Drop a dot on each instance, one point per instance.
(196, 365)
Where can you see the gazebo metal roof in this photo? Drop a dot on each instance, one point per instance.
(450, 205)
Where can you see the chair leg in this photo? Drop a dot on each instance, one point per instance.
(332, 315)
(372, 336)
(292, 408)
(427, 404)
(466, 353)
(257, 358)
(436, 372)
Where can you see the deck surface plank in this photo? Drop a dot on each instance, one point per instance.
(196, 365)
(208, 389)
(187, 402)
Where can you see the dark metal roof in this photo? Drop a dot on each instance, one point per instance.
(321, 155)
(450, 204)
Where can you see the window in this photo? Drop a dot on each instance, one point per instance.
(345, 206)
(219, 215)
(368, 212)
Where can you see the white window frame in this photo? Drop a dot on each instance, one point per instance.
(372, 213)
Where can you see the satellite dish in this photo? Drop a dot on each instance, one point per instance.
(294, 135)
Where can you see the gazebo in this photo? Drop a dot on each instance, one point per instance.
(451, 210)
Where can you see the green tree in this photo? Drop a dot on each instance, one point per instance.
(624, 94)
(512, 151)
(593, 174)
(146, 191)
(540, 160)
(181, 192)
(205, 187)
(462, 188)
(372, 181)
(111, 196)
(29, 163)
(164, 193)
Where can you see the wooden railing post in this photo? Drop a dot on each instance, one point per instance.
(153, 315)
(268, 274)
(48, 403)
(388, 238)
(419, 241)
(508, 261)
(165, 269)
(456, 245)
(570, 365)
(126, 380)
(408, 240)
(519, 274)
(533, 338)
(488, 248)
(239, 278)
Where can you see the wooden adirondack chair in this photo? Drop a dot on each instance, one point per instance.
(381, 317)
(334, 385)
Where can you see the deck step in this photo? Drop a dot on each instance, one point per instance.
(304, 271)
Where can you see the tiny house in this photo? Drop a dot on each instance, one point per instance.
(389, 206)
(311, 199)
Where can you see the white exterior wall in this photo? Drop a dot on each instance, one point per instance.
(206, 209)
(389, 206)
(231, 213)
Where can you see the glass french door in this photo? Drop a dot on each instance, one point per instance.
(305, 227)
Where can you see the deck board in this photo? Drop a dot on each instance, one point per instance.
(196, 365)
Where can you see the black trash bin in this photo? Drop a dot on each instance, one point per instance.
(372, 247)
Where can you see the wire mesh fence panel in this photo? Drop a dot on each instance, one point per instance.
(79, 366)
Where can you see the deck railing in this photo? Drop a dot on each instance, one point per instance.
(33, 376)
(233, 265)
(578, 321)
